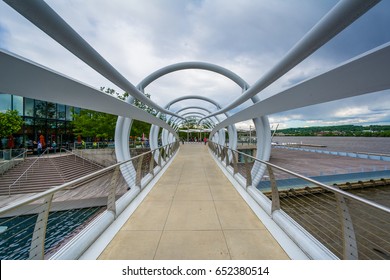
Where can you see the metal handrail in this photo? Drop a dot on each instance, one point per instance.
(12, 161)
(25, 172)
(347, 222)
(64, 186)
(327, 187)
(40, 204)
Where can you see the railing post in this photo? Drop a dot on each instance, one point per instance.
(275, 191)
(248, 172)
(235, 159)
(139, 171)
(151, 163)
(223, 154)
(37, 248)
(164, 156)
(166, 152)
(169, 150)
(350, 250)
(111, 205)
(159, 157)
(220, 152)
(226, 155)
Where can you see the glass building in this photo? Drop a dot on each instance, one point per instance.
(51, 120)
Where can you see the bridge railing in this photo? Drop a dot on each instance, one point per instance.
(325, 221)
(62, 222)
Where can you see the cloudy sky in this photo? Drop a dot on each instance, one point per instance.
(247, 37)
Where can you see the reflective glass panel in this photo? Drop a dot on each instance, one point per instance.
(18, 104)
(51, 110)
(5, 102)
(29, 107)
(40, 109)
(61, 112)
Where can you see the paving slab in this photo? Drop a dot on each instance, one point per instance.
(193, 212)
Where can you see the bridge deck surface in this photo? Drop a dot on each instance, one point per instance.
(193, 212)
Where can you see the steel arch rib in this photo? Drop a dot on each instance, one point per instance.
(194, 107)
(262, 125)
(155, 129)
(123, 137)
(232, 131)
(192, 65)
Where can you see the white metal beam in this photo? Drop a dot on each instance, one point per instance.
(366, 73)
(22, 77)
(342, 15)
(46, 19)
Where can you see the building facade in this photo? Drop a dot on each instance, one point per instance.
(49, 120)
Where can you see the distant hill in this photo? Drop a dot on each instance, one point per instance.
(340, 130)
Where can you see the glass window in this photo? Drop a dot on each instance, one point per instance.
(69, 113)
(40, 109)
(51, 110)
(29, 107)
(41, 131)
(61, 113)
(17, 104)
(5, 102)
(51, 132)
(29, 132)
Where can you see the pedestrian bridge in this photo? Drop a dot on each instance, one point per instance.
(193, 212)
(178, 202)
(189, 201)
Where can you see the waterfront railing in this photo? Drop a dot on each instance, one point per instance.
(372, 156)
(325, 221)
(62, 222)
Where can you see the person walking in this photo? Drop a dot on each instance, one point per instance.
(39, 148)
(54, 146)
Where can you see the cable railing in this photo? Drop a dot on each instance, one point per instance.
(325, 221)
(62, 222)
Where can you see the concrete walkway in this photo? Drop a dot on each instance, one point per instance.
(193, 212)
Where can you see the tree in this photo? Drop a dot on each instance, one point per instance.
(138, 127)
(91, 124)
(10, 123)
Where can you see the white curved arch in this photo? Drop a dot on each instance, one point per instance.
(221, 133)
(264, 148)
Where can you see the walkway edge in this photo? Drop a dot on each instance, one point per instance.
(94, 251)
(289, 246)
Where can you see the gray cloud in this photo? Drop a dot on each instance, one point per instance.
(247, 37)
